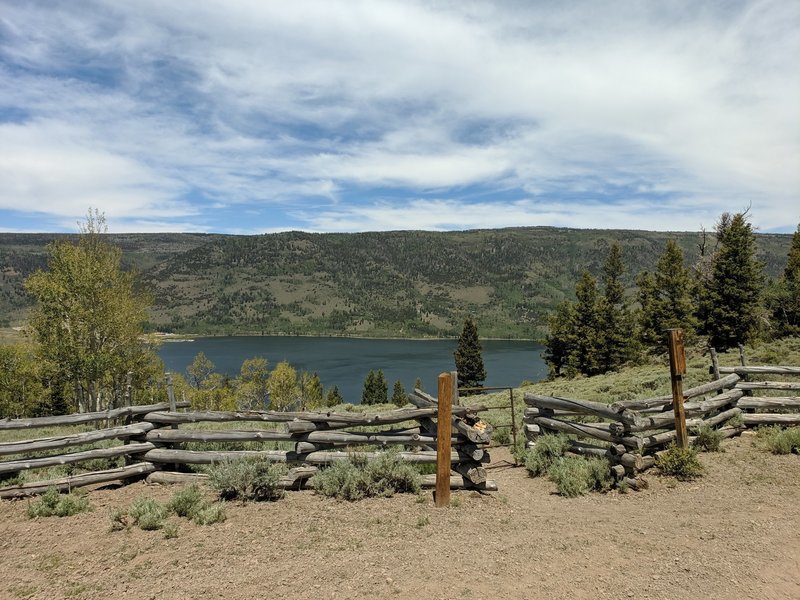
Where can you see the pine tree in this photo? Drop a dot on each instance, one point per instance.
(584, 354)
(730, 308)
(376, 390)
(418, 384)
(666, 299)
(783, 298)
(468, 357)
(333, 397)
(368, 393)
(560, 339)
(399, 394)
(616, 324)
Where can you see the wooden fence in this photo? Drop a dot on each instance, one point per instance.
(153, 442)
(632, 433)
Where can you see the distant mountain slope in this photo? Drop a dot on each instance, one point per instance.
(404, 283)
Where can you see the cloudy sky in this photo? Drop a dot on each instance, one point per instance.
(245, 116)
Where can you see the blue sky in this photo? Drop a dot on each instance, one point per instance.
(345, 115)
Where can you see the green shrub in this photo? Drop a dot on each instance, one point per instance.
(501, 436)
(681, 463)
(736, 420)
(577, 476)
(52, 503)
(120, 519)
(247, 479)
(170, 530)
(708, 440)
(548, 448)
(147, 513)
(357, 478)
(779, 440)
(186, 502)
(210, 514)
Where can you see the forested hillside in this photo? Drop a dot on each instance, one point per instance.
(407, 283)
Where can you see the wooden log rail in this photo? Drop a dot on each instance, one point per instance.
(765, 370)
(76, 439)
(81, 418)
(666, 401)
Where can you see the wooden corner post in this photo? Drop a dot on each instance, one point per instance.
(677, 367)
(443, 431)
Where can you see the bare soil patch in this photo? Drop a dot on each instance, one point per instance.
(733, 534)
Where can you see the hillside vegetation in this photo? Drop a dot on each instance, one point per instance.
(406, 283)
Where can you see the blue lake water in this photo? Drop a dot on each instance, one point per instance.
(345, 362)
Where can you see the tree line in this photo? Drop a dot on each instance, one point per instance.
(723, 300)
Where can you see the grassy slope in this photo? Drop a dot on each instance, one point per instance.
(406, 283)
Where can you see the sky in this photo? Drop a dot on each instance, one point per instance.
(248, 117)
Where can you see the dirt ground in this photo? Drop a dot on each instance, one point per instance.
(733, 534)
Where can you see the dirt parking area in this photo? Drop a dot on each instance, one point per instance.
(735, 533)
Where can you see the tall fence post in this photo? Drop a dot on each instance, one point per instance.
(677, 367)
(454, 379)
(443, 432)
(742, 358)
(715, 364)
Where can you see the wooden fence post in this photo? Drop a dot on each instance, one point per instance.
(742, 358)
(443, 431)
(715, 364)
(454, 379)
(677, 367)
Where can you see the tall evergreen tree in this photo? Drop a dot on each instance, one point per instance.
(368, 393)
(560, 338)
(468, 357)
(376, 390)
(783, 298)
(333, 397)
(399, 394)
(616, 324)
(666, 299)
(584, 354)
(730, 307)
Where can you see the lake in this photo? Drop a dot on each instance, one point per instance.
(346, 361)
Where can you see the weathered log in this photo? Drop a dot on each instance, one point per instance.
(617, 471)
(765, 370)
(714, 403)
(316, 437)
(751, 402)
(194, 457)
(586, 430)
(636, 483)
(721, 417)
(473, 434)
(458, 482)
(80, 418)
(636, 462)
(585, 449)
(339, 419)
(548, 412)
(76, 439)
(700, 390)
(473, 472)
(771, 419)
(67, 483)
(532, 432)
(596, 409)
(768, 385)
(13, 466)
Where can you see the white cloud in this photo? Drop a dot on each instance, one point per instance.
(273, 104)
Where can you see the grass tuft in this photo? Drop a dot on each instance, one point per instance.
(148, 514)
(577, 476)
(210, 514)
(186, 502)
(778, 440)
(708, 440)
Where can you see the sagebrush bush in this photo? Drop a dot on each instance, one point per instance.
(147, 513)
(357, 477)
(707, 439)
(210, 514)
(186, 502)
(736, 420)
(778, 440)
(577, 476)
(681, 463)
(53, 503)
(120, 519)
(170, 530)
(548, 448)
(247, 479)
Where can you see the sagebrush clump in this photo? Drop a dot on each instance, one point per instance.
(357, 478)
(247, 479)
(779, 440)
(681, 463)
(577, 476)
(548, 448)
(55, 504)
(147, 513)
(707, 439)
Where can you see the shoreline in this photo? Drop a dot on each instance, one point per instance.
(187, 336)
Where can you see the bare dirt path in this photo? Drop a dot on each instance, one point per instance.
(733, 534)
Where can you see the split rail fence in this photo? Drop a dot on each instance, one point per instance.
(154, 439)
(632, 433)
